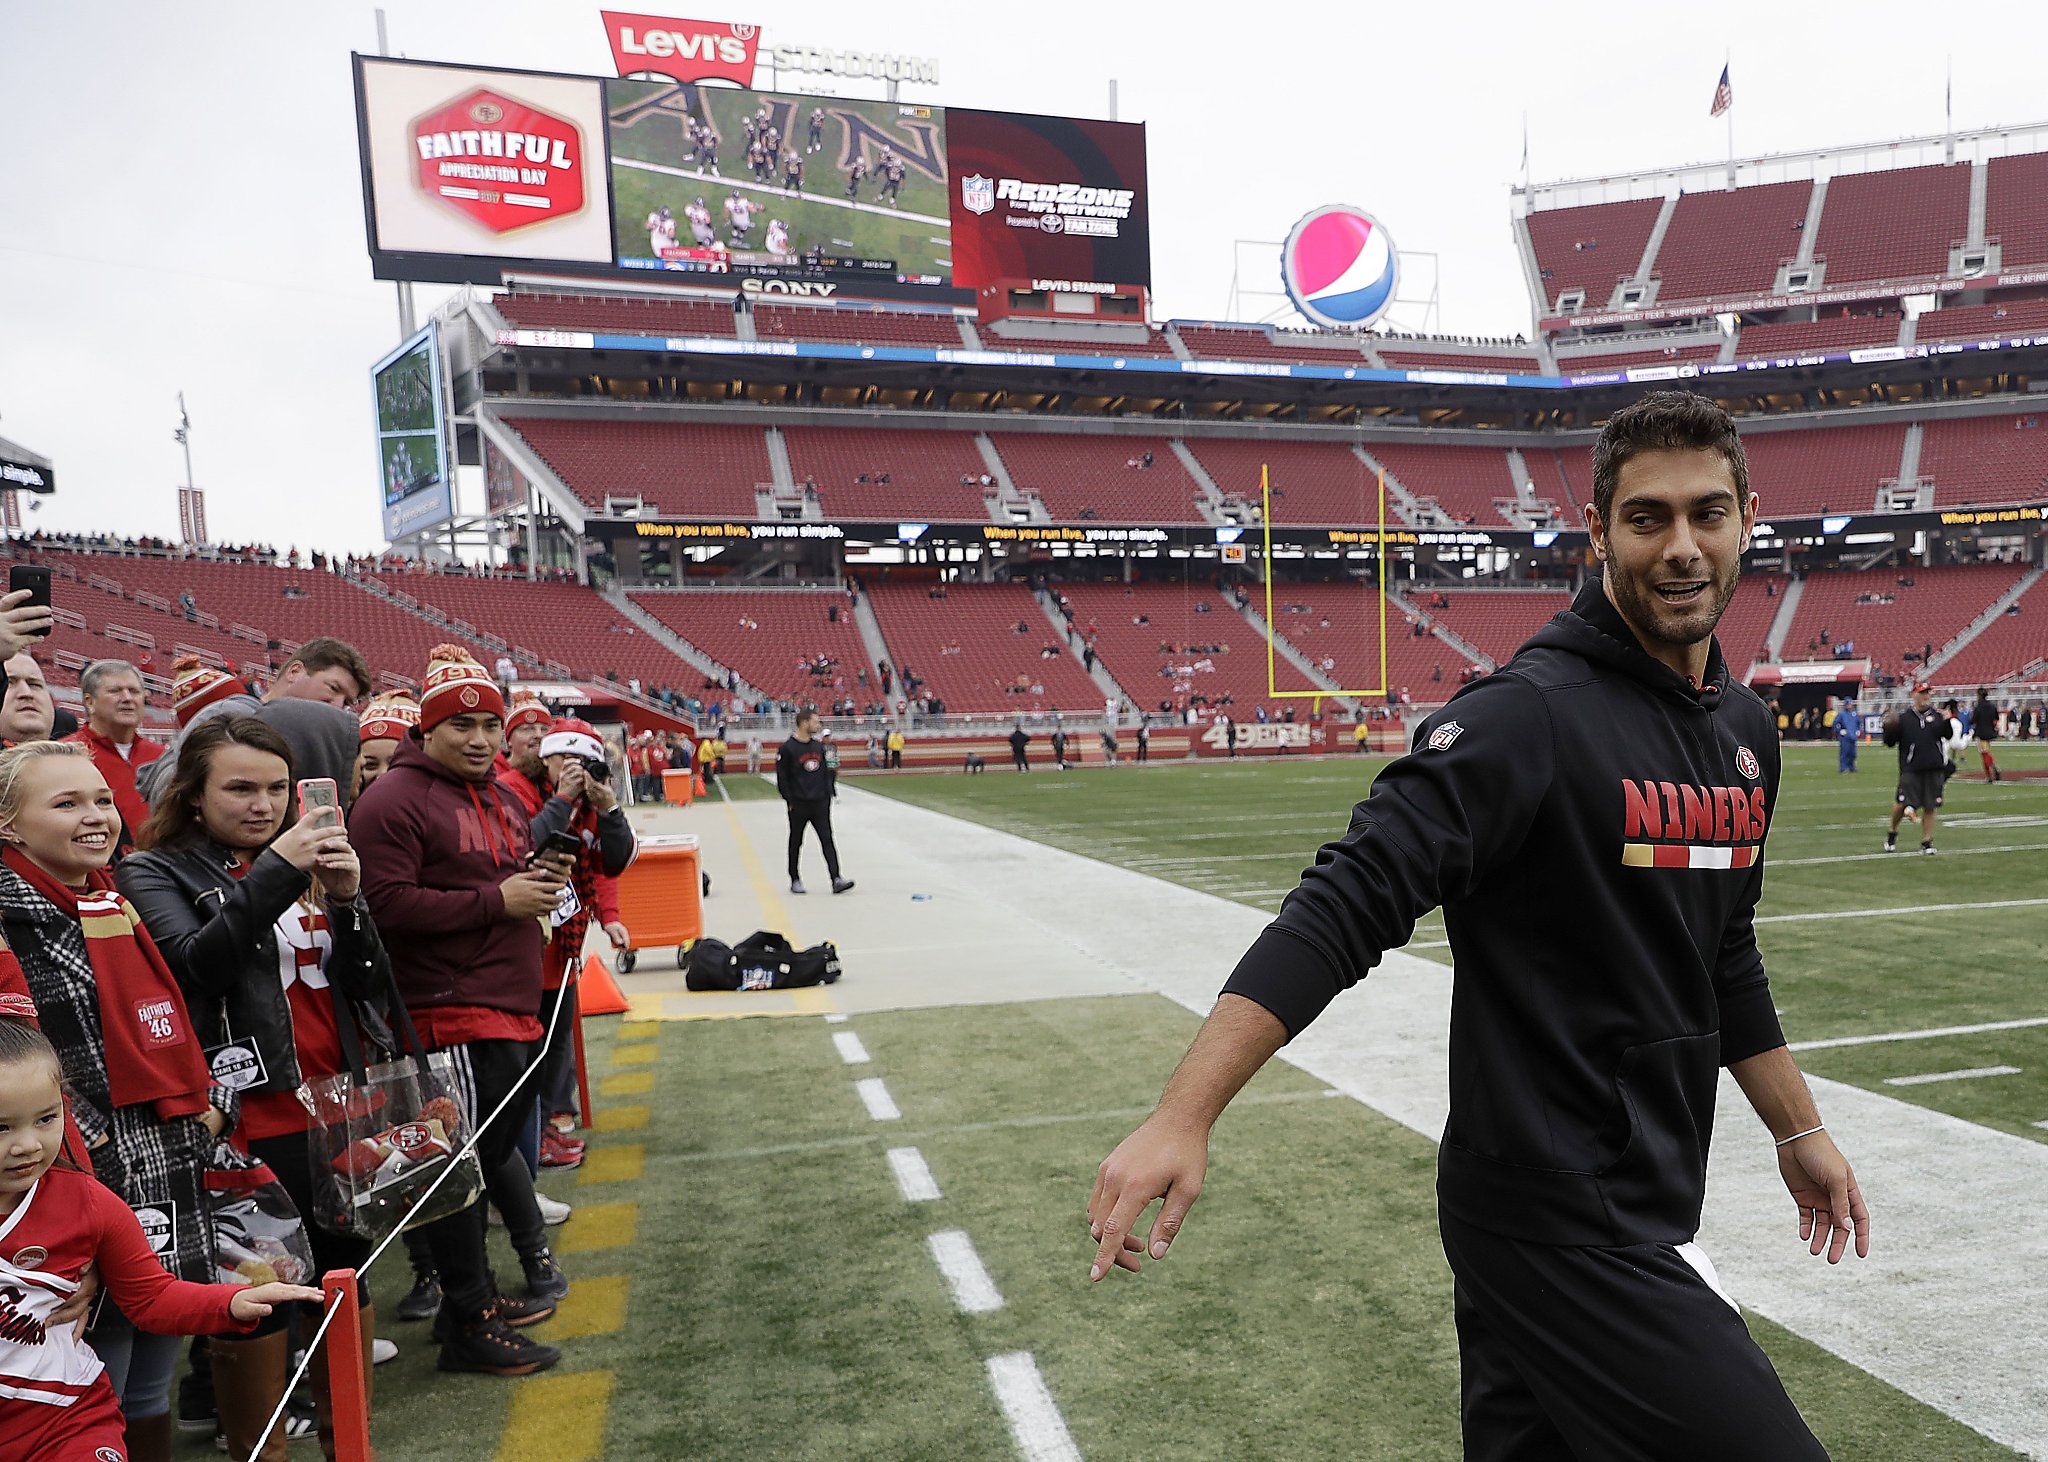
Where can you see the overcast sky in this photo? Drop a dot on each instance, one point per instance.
(180, 205)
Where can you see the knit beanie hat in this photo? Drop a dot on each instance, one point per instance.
(570, 737)
(389, 716)
(196, 684)
(527, 708)
(456, 685)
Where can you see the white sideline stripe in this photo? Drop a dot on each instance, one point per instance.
(1878, 857)
(1932, 1033)
(835, 1020)
(1918, 1315)
(973, 1291)
(1933, 1076)
(913, 1178)
(1035, 1422)
(851, 1051)
(1908, 909)
(875, 1097)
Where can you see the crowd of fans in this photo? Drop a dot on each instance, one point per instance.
(192, 931)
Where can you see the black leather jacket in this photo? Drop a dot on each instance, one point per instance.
(218, 933)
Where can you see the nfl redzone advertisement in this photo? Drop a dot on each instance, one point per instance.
(468, 172)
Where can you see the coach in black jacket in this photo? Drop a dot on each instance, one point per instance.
(1592, 819)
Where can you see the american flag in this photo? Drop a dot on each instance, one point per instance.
(1724, 95)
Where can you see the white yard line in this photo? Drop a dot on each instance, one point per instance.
(1917, 1315)
(1970, 1075)
(1035, 1421)
(914, 1178)
(973, 1291)
(835, 1020)
(1906, 909)
(1930, 1034)
(851, 1051)
(1904, 852)
(875, 1097)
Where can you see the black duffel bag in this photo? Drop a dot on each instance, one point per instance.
(764, 960)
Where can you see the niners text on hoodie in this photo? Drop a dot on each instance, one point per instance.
(434, 848)
(1593, 827)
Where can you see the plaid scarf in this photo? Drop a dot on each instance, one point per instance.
(152, 1053)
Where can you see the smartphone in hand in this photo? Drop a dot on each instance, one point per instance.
(318, 794)
(35, 578)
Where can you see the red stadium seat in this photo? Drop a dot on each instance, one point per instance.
(966, 649)
(1724, 244)
(616, 314)
(1102, 477)
(1986, 459)
(1896, 224)
(682, 469)
(1590, 249)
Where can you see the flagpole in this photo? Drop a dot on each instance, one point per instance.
(1727, 63)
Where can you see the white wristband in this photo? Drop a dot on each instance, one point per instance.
(1807, 1133)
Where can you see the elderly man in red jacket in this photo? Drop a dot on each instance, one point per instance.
(114, 697)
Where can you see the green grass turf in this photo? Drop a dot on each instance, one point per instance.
(783, 1304)
(1246, 830)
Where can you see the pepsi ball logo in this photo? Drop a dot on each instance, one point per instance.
(1339, 267)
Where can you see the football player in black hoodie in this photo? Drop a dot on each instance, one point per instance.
(1591, 819)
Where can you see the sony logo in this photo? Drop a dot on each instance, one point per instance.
(811, 287)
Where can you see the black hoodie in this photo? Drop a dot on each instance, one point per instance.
(1593, 827)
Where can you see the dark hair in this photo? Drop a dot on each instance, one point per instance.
(325, 653)
(809, 713)
(174, 820)
(21, 1040)
(1664, 421)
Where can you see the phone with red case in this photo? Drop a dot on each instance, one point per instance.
(316, 793)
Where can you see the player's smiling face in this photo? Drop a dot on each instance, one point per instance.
(1673, 547)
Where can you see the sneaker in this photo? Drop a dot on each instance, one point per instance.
(1927, 850)
(841, 885)
(544, 1277)
(301, 1423)
(553, 1212)
(519, 1311)
(423, 1302)
(1891, 845)
(382, 1350)
(195, 1403)
(796, 885)
(492, 1347)
(558, 1149)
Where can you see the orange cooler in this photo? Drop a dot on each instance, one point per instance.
(677, 785)
(660, 898)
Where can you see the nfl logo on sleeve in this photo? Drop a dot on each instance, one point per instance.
(977, 194)
(1441, 738)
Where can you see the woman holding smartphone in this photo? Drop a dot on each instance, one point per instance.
(261, 918)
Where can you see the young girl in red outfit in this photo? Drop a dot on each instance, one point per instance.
(56, 1404)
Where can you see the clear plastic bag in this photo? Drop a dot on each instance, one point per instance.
(258, 1235)
(380, 1141)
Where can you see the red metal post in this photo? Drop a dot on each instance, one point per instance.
(348, 1388)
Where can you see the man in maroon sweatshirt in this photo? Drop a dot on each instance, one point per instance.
(445, 869)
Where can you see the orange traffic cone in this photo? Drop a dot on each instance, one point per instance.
(701, 788)
(598, 993)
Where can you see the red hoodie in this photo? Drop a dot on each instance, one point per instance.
(434, 848)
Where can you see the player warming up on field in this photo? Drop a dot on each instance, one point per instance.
(1592, 819)
(1921, 735)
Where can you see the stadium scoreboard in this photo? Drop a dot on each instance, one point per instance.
(469, 172)
(417, 491)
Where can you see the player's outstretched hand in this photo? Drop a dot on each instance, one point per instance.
(1162, 1159)
(1831, 1208)
(253, 1302)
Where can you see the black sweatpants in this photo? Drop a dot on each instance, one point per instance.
(1609, 1355)
(558, 1071)
(815, 813)
(484, 1072)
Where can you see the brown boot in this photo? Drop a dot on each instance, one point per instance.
(323, 1400)
(248, 1381)
(149, 1439)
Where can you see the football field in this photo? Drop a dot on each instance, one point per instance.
(857, 1230)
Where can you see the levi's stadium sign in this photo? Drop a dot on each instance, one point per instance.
(503, 163)
(688, 50)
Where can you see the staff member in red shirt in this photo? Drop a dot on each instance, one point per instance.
(113, 696)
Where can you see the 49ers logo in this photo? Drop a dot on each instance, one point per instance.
(411, 1137)
(500, 162)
